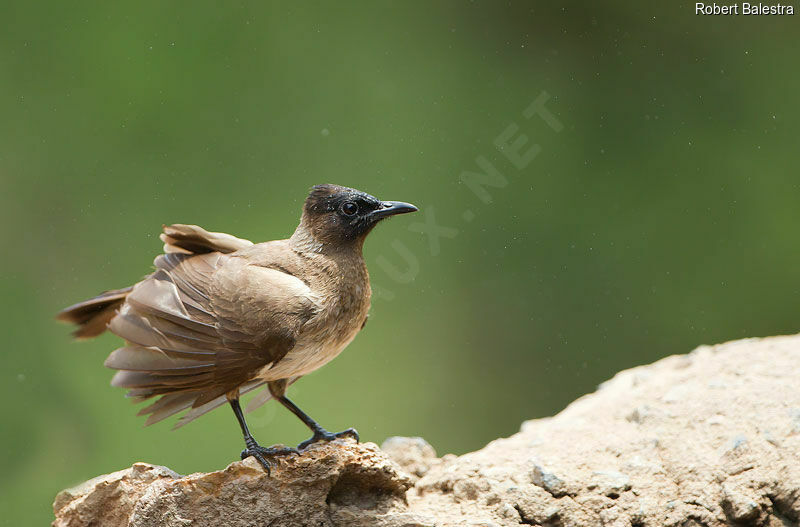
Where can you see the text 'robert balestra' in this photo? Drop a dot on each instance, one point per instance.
(742, 9)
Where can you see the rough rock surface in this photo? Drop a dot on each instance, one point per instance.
(340, 483)
(706, 439)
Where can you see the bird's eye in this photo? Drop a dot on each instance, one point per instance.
(349, 208)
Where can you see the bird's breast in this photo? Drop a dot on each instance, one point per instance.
(325, 335)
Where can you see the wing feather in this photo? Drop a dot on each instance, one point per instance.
(137, 358)
(202, 326)
(179, 238)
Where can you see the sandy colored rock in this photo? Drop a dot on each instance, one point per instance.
(340, 483)
(711, 438)
(414, 455)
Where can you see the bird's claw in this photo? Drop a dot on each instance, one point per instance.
(324, 435)
(261, 453)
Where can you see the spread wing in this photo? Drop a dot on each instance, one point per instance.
(201, 326)
(93, 315)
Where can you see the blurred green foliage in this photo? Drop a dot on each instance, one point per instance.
(663, 216)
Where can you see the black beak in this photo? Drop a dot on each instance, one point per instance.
(390, 208)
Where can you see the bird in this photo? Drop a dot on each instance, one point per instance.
(221, 316)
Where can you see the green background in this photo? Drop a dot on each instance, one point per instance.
(664, 215)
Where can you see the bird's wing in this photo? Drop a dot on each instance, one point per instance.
(201, 326)
(191, 239)
(92, 316)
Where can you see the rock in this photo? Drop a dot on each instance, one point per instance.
(414, 455)
(609, 483)
(546, 479)
(109, 499)
(339, 483)
(711, 438)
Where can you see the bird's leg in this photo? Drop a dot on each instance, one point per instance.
(278, 391)
(252, 447)
(320, 434)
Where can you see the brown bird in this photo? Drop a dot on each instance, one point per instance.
(222, 316)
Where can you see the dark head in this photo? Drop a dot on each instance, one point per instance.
(340, 215)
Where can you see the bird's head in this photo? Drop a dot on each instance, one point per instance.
(340, 215)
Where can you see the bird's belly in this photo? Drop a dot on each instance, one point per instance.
(304, 358)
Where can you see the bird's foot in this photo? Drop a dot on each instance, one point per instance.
(323, 435)
(262, 453)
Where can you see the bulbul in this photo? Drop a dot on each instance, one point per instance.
(221, 316)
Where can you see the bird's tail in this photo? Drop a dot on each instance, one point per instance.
(92, 316)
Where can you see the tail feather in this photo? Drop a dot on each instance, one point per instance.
(167, 406)
(92, 316)
(197, 411)
(175, 402)
(262, 398)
